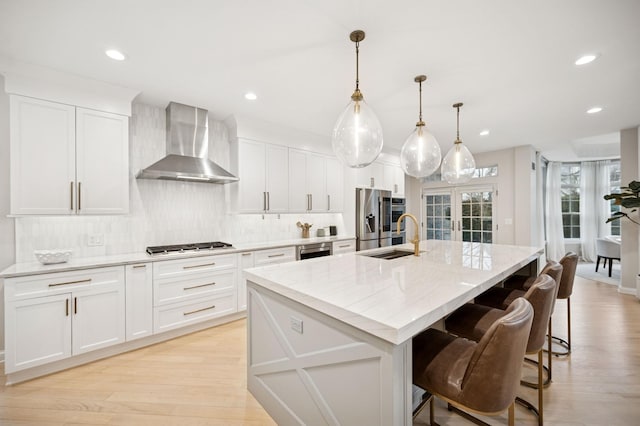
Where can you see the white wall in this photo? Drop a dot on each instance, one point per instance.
(7, 232)
(629, 251)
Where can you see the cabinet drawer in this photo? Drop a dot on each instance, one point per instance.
(61, 282)
(346, 246)
(180, 314)
(279, 255)
(193, 265)
(193, 286)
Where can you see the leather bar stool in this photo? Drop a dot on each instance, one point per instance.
(500, 298)
(472, 321)
(480, 377)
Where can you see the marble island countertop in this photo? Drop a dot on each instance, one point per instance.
(29, 268)
(395, 299)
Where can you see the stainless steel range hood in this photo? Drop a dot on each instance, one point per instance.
(187, 149)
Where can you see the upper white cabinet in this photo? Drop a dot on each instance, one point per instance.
(335, 185)
(264, 179)
(67, 160)
(316, 182)
(394, 179)
(371, 176)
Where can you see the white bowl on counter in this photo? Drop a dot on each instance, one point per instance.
(47, 257)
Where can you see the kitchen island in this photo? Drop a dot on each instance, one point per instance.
(329, 339)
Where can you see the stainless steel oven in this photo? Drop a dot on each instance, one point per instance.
(398, 208)
(309, 251)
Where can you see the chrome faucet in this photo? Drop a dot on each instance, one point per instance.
(416, 237)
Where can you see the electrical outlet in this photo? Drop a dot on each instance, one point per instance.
(95, 240)
(296, 324)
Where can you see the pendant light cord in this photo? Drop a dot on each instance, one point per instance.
(420, 116)
(357, 65)
(458, 124)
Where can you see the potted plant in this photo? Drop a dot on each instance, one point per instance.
(629, 198)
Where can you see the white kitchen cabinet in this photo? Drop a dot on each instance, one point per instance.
(345, 246)
(263, 170)
(371, 176)
(275, 255)
(139, 300)
(245, 260)
(394, 179)
(335, 185)
(57, 315)
(307, 182)
(67, 160)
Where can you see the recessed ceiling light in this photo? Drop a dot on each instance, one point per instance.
(594, 110)
(484, 132)
(250, 96)
(115, 55)
(583, 60)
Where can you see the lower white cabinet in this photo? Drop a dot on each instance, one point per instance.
(345, 246)
(245, 260)
(276, 255)
(191, 290)
(54, 316)
(139, 300)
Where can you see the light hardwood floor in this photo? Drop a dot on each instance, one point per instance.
(200, 379)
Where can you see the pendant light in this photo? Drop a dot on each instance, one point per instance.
(420, 155)
(357, 135)
(458, 165)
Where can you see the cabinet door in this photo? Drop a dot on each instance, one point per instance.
(138, 301)
(42, 151)
(316, 182)
(399, 182)
(335, 185)
(246, 261)
(38, 331)
(298, 194)
(98, 317)
(394, 179)
(277, 178)
(252, 172)
(371, 176)
(102, 162)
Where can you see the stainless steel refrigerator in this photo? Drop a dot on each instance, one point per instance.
(373, 218)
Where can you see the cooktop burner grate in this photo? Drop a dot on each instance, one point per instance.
(182, 248)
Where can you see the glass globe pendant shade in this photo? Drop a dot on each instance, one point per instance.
(458, 165)
(357, 135)
(420, 155)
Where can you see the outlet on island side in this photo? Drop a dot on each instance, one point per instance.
(95, 240)
(296, 324)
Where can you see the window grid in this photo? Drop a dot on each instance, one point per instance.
(570, 188)
(438, 208)
(477, 222)
(615, 180)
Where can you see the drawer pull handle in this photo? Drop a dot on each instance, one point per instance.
(199, 266)
(276, 255)
(139, 266)
(246, 254)
(199, 310)
(345, 246)
(71, 198)
(71, 282)
(198, 286)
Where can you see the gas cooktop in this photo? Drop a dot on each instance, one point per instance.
(187, 248)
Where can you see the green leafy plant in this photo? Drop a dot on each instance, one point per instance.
(629, 198)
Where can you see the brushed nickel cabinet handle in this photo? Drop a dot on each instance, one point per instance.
(328, 202)
(246, 254)
(71, 282)
(199, 310)
(198, 266)
(66, 303)
(71, 196)
(264, 201)
(79, 196)
(75, 305)
(373, 182)
(198, 286)
(310, 202)
(345, 246)
(276, 255)
(139, 266)
(268, 200)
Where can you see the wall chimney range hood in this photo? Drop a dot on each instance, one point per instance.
(187, 149)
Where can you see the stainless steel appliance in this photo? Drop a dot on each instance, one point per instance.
(373, 218)
(191, 247)
(398, 208)
(309, 251)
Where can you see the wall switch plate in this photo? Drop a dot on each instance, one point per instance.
(296, 324)
(95, 240)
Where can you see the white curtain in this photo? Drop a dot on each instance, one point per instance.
(594, 209)
(553, 212)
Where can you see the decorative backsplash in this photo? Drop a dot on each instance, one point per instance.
(162, 212)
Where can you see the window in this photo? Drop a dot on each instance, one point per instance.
(570, 188)
(478, 173)
(614, 180)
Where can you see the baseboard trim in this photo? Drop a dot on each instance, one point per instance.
(625, 290)
(1, 356)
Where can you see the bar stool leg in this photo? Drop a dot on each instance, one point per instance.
(512, 414)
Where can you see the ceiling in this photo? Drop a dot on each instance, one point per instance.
(510, 62)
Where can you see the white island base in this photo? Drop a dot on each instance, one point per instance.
(306, 367)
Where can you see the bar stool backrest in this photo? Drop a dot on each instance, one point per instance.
(569, 264)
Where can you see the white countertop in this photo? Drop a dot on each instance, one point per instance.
(395, 299)
(30, 268)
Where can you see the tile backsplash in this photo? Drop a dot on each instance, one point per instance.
(162, 212)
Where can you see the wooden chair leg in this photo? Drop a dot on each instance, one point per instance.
(512, 414)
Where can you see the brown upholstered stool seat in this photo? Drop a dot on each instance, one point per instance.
(481, 377)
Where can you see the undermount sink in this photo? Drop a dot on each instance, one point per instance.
(391, 254)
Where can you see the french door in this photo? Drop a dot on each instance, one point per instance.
(462, 214)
